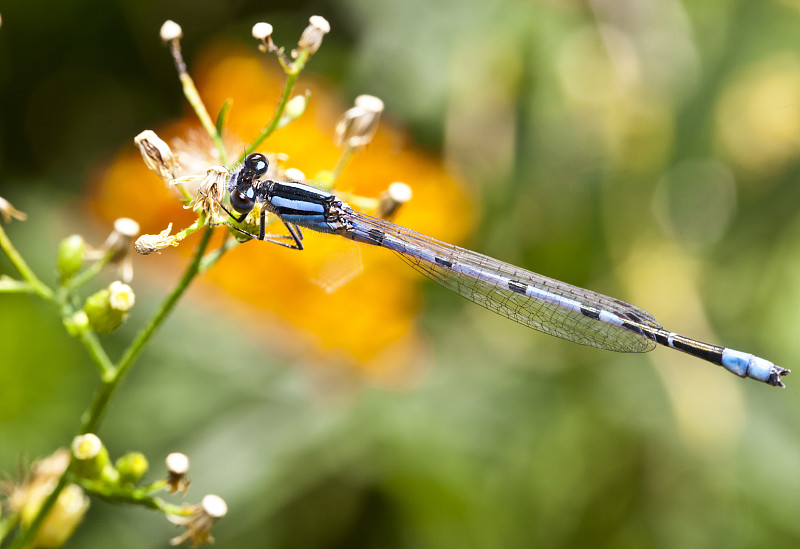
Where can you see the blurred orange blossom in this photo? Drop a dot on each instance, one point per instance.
(367, 323)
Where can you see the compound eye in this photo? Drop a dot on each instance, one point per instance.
(256, 163)
(241, 201)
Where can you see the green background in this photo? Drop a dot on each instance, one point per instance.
(594, 136)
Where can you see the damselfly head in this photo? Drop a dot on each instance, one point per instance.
(244, 182)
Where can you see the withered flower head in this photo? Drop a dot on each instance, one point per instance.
(149, 243)
(157, 155)
(119, 245)
(357, 126)
(311, 39)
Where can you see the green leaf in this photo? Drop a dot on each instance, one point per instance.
(222, 117)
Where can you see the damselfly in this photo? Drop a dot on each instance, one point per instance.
(541, 303)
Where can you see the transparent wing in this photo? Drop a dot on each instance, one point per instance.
(485, 281)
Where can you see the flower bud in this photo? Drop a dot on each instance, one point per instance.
(108, 308)
(91, 459)
(131, 467)
(294, 109)
(70, 256)
(77, 323)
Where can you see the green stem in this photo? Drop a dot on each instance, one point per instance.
(193, 96)
(113, 377)
(136, 496)
(342, 162)
(292, 72)
(212, 257)
(89, 272)
(96, 352)
(10, 286)
(36, 285)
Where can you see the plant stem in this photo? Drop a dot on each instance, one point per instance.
(193, 96)
(113, 377)
(292, 72)
(96, 352)
(36, 285)
(89, 272)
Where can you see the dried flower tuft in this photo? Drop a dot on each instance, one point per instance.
(149, 243)
(211, 192)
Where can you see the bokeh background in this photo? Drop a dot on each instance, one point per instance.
(647, 149)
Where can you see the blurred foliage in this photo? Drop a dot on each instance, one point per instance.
(645, 149)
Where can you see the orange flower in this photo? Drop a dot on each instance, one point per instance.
(369, 321)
